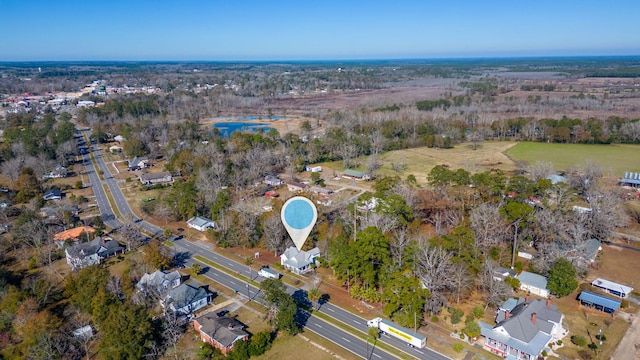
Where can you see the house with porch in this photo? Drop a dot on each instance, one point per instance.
(81, 255)
(299, 262)
(523, 329)
(221, 332)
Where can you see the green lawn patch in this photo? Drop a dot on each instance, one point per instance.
(614, 159)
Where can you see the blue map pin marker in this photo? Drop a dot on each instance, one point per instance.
(298, 216)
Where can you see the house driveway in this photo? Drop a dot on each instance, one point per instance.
(629, 347)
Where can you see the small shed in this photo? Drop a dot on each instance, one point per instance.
(599, 302)
(612, 287)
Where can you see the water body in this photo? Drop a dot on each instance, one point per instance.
(227, 128)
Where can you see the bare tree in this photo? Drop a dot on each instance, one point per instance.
(274, 233)
(131, 234)
(12, 169)
(488, 226)
(461, 281)
(496, 291)
(539, 170)
(400, 239)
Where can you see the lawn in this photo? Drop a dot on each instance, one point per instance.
(615, 159)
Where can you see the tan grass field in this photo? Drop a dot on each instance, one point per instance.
(419, 161)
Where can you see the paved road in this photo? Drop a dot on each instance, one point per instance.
(233, 283)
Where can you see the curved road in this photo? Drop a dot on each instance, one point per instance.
(340, 337)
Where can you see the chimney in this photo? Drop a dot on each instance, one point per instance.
(533, 318)
(548, 303)
(507, 314)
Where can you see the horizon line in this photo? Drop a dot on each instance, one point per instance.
(498, 57)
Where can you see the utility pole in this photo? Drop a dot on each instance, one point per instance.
(248, 295)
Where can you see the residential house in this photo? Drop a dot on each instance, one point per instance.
(86, 232)
(584, 253)
(186, 298)
(323, 191)
(53, 194)
(221, 332)
(201, 223)
(296, 186)
(612, 287)
(523, 331)
(115, 148)
(138, 163)
(58, 211)
(272, 180)
(299, 262)
(599, 302)
(159, 282)
(500, 273)
(81, 255)
(156, 178)
(355, 175)
(533, 283)
(58, 172)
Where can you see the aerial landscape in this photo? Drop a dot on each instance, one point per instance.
(281, 180)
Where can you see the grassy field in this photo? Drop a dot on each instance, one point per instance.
(420, 161)
(615, 159)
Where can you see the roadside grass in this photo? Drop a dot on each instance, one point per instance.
(614, 159)
(112, 202)
(287, 347)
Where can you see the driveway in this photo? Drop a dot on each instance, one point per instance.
(629, 347)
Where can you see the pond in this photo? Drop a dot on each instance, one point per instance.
(227, 128)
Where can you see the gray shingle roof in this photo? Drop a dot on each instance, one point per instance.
(532, 279)
(224, 330)
(186, 294)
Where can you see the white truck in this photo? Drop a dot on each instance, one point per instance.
(400, 332)
(268, 273)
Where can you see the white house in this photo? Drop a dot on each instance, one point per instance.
(138, 162)
(159, 282)
(53, 194)
(523, 329)
(272, 180)
(81, 255)
(201, 223)
(58, 172)
(156, 178)
(299, 262)
(533, 283)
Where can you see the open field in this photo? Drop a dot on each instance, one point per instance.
(615, 159)
(420, 161)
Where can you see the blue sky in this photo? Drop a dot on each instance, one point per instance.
(38, 30)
